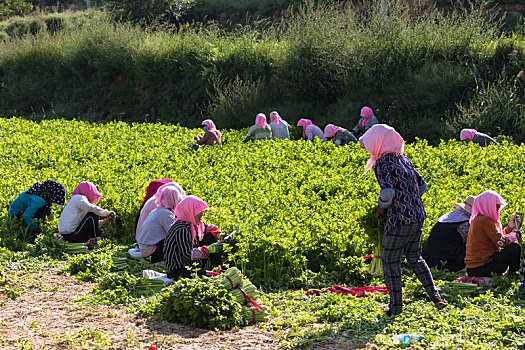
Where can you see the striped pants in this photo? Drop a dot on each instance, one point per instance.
(404, 240)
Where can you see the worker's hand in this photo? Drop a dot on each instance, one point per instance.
(359, 126)
(380, 211)
(112, 217)
(224, 238)
(215, 248)
(512, 222)
(199, 253)
(512, 237)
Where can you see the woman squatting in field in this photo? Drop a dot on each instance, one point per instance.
(340, 135)
(211, 135)
(310, 130)
(79, 221)
(260, 131)
(490, 248)
(190, 240)
(152, 188)
(401, 190)
(158, 222)
(280, 128)
(35, 203)
(367, 120)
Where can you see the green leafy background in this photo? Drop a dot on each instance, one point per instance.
(297, 206)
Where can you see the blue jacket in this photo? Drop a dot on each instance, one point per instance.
(27, 204)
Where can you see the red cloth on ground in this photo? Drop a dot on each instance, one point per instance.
(356, 291)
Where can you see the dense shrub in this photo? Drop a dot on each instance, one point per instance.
(14, 7)
(324, 63)
(146, 11)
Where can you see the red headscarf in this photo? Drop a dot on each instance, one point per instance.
(186, 210)
(153, 187)
(486, 204)
(86, 188)
(381, 139)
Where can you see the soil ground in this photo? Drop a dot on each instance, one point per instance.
(40, 310)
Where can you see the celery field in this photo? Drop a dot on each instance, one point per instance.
(301, 211)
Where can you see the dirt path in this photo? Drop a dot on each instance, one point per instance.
(46, 316)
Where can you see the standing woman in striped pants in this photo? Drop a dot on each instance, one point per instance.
(400, 196)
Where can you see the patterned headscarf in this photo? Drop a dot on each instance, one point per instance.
(486, 204)
(330, 130)
(86, 188)
(153, 187)
(51, 191)
(379, 140)
(260, 120)
(366, 113)
(467, 134)
(187, 209)
(304, 123)
(275, 117)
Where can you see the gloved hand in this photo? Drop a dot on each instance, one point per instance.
(215, 248)
(224, 238)
(512, 222)
(199, 253)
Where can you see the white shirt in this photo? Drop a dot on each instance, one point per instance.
(74, 211)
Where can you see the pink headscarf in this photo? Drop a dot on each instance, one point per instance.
(467, 134)
(366, 113)
(304, 123)
(86, 188)
(211, 127)
(275, 117)
(485, 204)
(331, 129)
(186, 211)
(381, 139)
(260, 120)
(210, 124)
(153, 187)
(168, 197)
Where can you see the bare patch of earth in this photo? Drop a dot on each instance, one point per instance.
(47, 316)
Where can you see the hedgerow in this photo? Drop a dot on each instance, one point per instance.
(423, 71)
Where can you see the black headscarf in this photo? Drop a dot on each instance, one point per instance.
(51, 191)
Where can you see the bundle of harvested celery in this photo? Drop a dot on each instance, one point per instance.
(230, 278)
(243, 292)
(251, 314)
